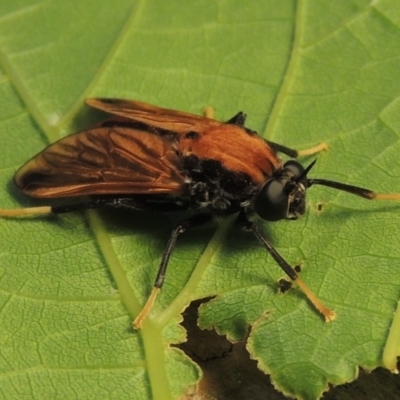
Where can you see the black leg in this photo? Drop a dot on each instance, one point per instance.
(86, 205)
(101, 202)
(239, 119)
(297, 153)
(128, 203)
(182, 227)
(283, 149)
(243, 222)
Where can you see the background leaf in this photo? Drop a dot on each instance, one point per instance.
(305, 72)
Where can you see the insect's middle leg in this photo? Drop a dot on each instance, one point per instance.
(182, 227)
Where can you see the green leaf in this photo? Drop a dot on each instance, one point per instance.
(305, 72)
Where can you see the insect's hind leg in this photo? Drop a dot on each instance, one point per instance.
(101, 202)
(208, 112)
(28, 211)
(238, 119)
(57, 209)
(297, 153)
(126, 203)
(182, 227)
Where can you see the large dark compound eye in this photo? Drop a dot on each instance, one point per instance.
(294, 167)
(272, 201)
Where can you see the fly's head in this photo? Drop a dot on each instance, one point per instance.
(284, 195)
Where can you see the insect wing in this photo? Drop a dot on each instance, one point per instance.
(230, 145)
(177, 122)
(103, 161)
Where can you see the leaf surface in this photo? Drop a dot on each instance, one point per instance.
(305, 72)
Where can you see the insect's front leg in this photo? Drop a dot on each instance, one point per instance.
(182, 227)
(243, 222)
(293, 153)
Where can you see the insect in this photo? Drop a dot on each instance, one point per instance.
(150, 158)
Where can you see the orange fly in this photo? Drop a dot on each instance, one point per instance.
(151, 158)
